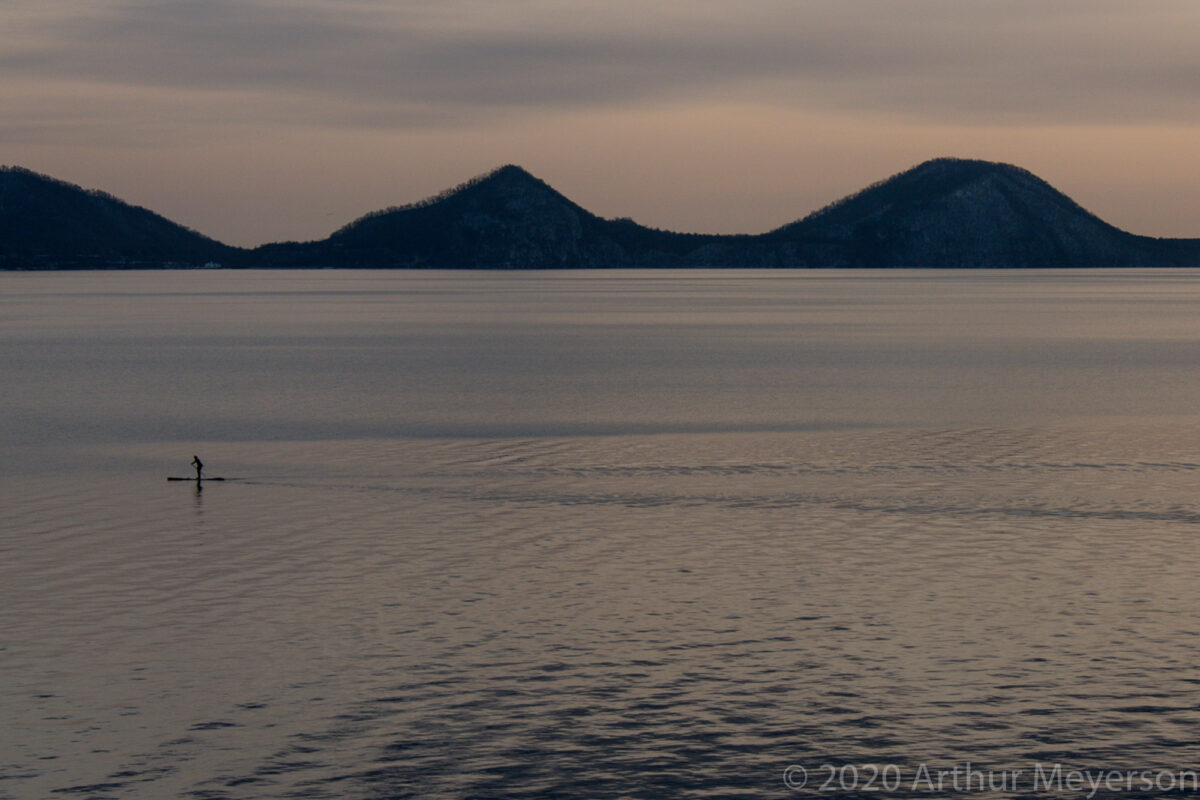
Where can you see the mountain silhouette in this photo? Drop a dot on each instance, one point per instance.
(943, 213)
(47, 223)
(504, 219)
(965, 213)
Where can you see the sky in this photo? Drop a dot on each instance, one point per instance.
(267, 120)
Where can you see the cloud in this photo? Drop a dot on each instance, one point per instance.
(417, 62)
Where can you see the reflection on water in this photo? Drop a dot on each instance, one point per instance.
(829, 520)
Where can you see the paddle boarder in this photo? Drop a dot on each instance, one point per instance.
(198, 464)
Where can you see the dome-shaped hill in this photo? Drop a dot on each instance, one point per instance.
(965, 213)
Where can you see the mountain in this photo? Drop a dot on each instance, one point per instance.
(47, 223)
(943, 213)
(504, 219)
(965, 213)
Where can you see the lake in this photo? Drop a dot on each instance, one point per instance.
(636, 534)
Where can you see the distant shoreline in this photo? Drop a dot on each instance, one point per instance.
(942, 214)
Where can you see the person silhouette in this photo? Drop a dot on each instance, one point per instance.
(198, 464)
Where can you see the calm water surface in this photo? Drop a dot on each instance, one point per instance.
(618, 534)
